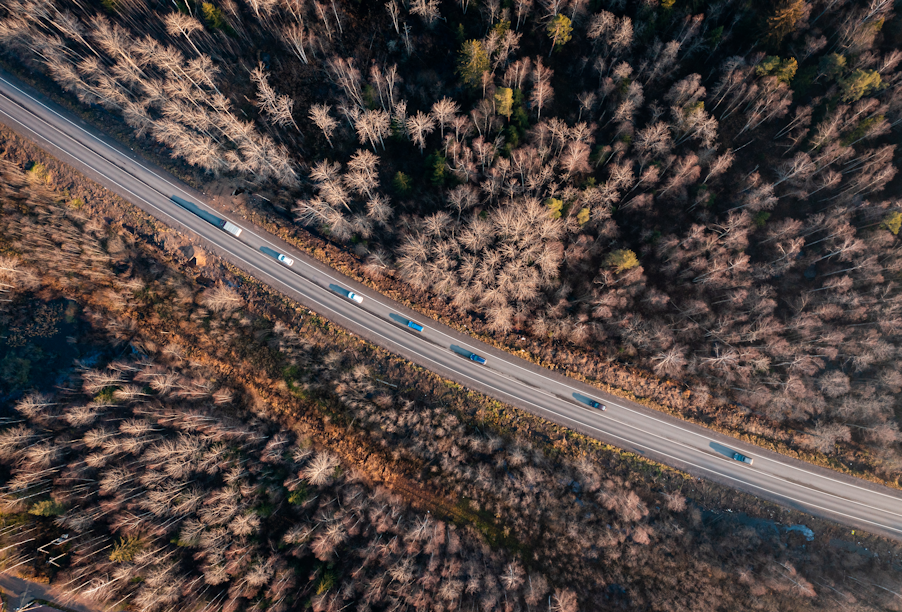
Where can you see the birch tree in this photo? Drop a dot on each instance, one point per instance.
(319, 115)
(419, 127)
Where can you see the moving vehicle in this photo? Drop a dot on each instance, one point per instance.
(598, 405)
(207, 216)
(414, 326)
(285, 259)
(477, 358)
(230, 227)
(355, 297)
(743, 458)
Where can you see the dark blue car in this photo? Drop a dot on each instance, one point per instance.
(477, 358)
(414, 326)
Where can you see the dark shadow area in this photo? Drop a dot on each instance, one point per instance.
(723, 450)
(461, 351)
(398, 319)
(582, 399)
(338, 289)
(268, 251)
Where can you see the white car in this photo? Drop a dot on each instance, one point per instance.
(285, 259)
(355, 297)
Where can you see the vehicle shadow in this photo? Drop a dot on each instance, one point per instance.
(338, 289)
(269, 251)
(582, 399)
(398, 319)
(460, 350)
(721, 449)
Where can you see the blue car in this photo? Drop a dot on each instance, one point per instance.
(743, 458)
(598, 405)
(414, 326)
(477, 358)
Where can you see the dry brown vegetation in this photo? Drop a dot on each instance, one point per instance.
(252, 457)
(697, 189)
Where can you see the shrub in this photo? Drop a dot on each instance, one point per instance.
(126, 549)
(621, 260)
(213, 16)
(555, 206)
(47, 507)
(401, 183)
(859, 84)
(893, 222)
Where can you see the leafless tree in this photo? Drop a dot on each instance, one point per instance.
(372, 126)
(181, 24)
(319, 115)
(428, 10)
(720, 165)
(444, 111)
(277, 107)
(670, 362)
(321, 468)
(299, 40)
(541, 92)
(393, 10)
(419, 126)
(222, 299)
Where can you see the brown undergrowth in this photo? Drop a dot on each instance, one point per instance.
(632, 383)
(609, 525)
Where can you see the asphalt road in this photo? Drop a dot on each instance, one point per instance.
(630, 426)
(20, 592)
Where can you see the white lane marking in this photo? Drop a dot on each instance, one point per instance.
(497, 373)
(760, 457)
(764, 474)
(778, 495)
(136, 161)
(510, 362)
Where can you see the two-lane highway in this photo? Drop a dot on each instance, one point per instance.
(625, 424)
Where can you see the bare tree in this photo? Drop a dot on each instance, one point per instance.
(222, 299)
(393, 10)
(720, 165)
(277, 107)
(180, 24)
(444, 112)
(298, 39)
(379, 209)
(319, 115)
(419, 126)
(542, 92)
(321, 468)
(428, 10)
(372, 126)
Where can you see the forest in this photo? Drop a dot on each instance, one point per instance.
(702, 190)
(173, 437)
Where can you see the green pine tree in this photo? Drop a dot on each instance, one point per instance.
(504, 101)
(859, 84)
(474, 60)
(560, 31)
